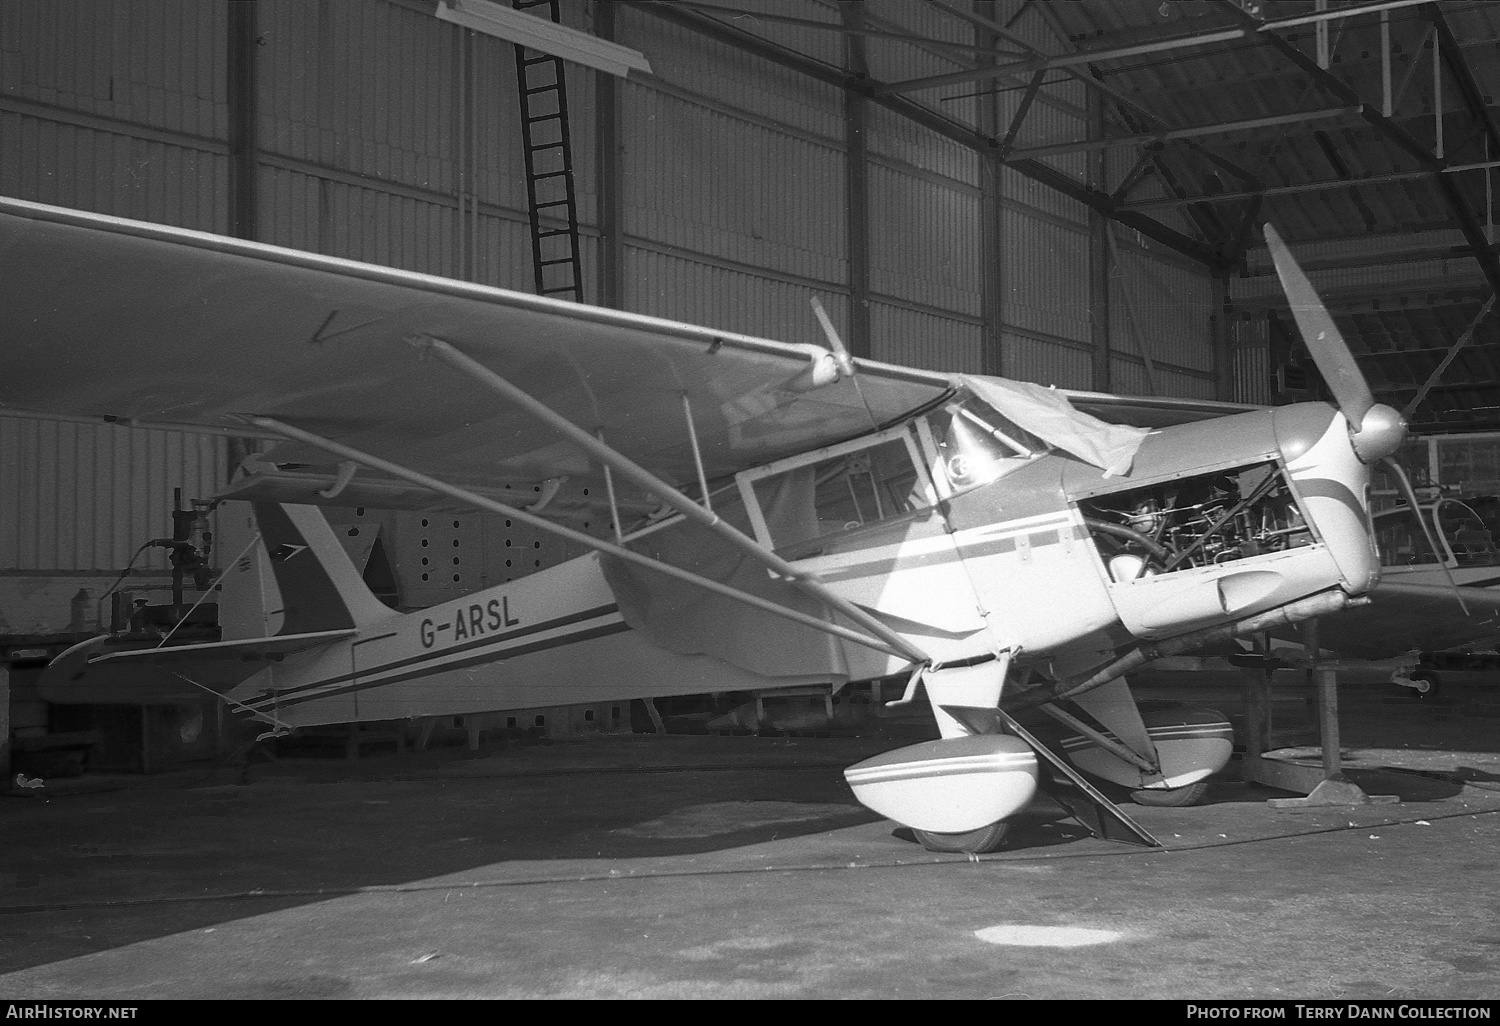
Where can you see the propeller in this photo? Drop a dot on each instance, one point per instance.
(841, 355)
(1375, 429)
(842, 358)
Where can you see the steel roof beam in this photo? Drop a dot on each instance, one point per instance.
(1103, 54)
(1240, 244)
(1288, 190)
(1151, 159)
(1473, 95)
(1138, 173)
(1489, 264)
(1088, 78)
(1203, 216)
(1007, 145)
(934, 120)
(988, 24)
(1173, 134)
(834, 26)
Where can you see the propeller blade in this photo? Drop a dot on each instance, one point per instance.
(840, 351)
(842, 358)
(1325, 343)
(1411, 500)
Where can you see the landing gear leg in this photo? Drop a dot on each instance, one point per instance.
(1426, 683)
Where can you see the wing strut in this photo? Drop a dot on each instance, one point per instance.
(671, 496)
(473, 499)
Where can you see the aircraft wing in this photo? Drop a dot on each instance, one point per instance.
(149, 323)
(1403, 616)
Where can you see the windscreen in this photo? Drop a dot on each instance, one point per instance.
(977, 445)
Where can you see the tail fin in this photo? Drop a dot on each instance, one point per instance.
(320, 588)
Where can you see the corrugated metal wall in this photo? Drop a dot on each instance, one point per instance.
(1159, 307)
(733, 174)
(925, 204)
(1046, 278)
(79, 496)
(1251, 365)
(728, 188)
(116, 107)
(735, 199)
(120, 108)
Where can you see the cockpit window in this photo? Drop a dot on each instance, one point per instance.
(802, 506)
(977, 445)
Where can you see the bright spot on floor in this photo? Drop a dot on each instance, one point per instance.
(1046, 936)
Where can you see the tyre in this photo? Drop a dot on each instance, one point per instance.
(1176, 798)
(1427, 683)
(973, 842)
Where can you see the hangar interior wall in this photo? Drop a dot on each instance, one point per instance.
(735, 209)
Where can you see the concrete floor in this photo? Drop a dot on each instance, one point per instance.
(683, 866)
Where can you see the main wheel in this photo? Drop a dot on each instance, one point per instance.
(1427, 683)
(972, 842)
(1175, 798)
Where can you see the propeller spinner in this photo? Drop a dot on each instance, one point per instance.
(1375, 429)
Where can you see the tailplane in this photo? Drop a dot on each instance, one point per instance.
(320, 588)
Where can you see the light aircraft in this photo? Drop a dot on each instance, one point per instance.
(761, 514)
(1439, 594)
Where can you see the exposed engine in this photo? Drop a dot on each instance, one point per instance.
(1195, 521)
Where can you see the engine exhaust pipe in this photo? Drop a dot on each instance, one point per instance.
(1321, 604)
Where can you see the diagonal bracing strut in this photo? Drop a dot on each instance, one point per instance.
(473, 499)
(673, 497)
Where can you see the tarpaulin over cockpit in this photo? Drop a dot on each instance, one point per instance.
(1047, 413)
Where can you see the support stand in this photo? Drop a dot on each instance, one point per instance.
(4, 727)
(1324, 786)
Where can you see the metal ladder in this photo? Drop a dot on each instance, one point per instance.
(549, 167)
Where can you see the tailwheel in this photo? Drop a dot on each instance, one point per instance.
(971, 842)
(1426, 683)
(1171, 798)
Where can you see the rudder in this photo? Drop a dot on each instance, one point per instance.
(320, 588)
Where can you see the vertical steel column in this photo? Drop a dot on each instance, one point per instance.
(240, 96)
(1386, 107)
(461, 144)
(471, 134)
(857, 181)
(4, 727)
(609, 171)
(1099, 251)
(1220, 321)
(991, 212)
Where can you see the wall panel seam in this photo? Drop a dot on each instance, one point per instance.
(111, 125)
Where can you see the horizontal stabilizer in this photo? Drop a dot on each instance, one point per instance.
(101, 671)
